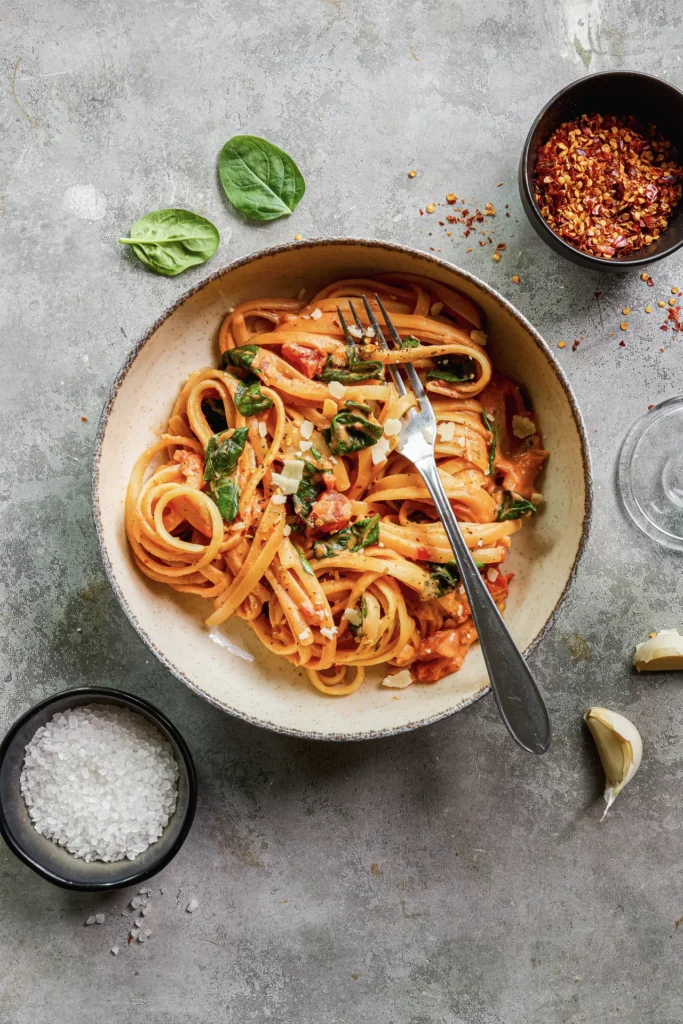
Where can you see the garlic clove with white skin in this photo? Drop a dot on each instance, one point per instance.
(619, 746)
(663, 652)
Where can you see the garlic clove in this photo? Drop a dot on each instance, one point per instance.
(619, 746)
(663, 652)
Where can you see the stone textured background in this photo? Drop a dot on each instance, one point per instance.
(496, 896)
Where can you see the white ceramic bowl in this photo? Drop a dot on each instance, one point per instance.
(268, 691)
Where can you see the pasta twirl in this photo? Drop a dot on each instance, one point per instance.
(276, 492)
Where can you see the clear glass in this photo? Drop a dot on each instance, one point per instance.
(651, 473)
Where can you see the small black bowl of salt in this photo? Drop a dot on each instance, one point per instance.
(97, 789)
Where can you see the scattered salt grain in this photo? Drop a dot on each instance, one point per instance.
(192, 906)
(99, 918)
(316, 314)
(115, 950)
(146, 910)
(91, 919)
(100, 781)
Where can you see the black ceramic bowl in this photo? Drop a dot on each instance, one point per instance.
(54, 862)
(611, 92)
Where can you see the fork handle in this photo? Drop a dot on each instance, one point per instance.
(519, 700)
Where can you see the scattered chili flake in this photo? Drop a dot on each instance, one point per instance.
(664, 327)
(607, 185)
(648, 409)
(626, 311)
(611, 334)
(597, 294)
(562, 344)
(672, 302)
(297, 238)
(623, 325)
(661, 350)
(622, 344)
(650, 282)
(501, 245)
(430, 207)
(644, 276)
(496, 256)
(515, 278)
(451, 198)
(412, 174)
(575, 345)
(84, 419)
(489, 210)
(468, 250)
(674, 291)
(661, 304)
(421, 213)
(499, 184)
(648, 309)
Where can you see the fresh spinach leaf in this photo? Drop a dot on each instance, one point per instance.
(307, 492)
(490, 424)
(410, 342)
(356, 373)
(349, 432)
(514, 508)
(221, 456)
(242, 357)
(226, 494)
(455, 369)
(259, 179)
(315, 453)
(442, 580)
(358, 405)
(214, 413)
(249, 399)
(355, 537)
(170, 241)
(304, 561)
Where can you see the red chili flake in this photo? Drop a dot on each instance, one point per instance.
(441, 224)
(597, 294)
(622, 344)
(664, 327)
(422, 213)
(650, 407)
(451, 219)
(575, 346)
(84, 419)
(501, 245)
(650, 283)
(608, 185)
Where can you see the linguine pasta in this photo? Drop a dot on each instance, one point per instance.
(276, 494)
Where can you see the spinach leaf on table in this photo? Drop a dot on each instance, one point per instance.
(259, 179)
(170, 241)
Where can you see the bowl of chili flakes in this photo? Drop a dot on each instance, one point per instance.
(600, 175)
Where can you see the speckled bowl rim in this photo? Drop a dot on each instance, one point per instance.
(429, 259)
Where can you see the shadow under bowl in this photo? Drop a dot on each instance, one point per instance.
(648, 99)
(54, 862)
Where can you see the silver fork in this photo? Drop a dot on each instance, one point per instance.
(519, 700)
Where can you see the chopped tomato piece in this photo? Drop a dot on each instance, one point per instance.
(308, 361)
(331, 512)
(192, 466)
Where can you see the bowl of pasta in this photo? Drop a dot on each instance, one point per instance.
(264, 537)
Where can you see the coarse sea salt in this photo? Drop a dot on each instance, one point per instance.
(101, 781)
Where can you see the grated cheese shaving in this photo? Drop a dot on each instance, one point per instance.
(392, 427)
(446, 431)
(336, 389)
(379, 451)
(399, 680)
(306, 429)
(316, 314)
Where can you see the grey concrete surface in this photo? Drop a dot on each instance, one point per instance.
(496, 895)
